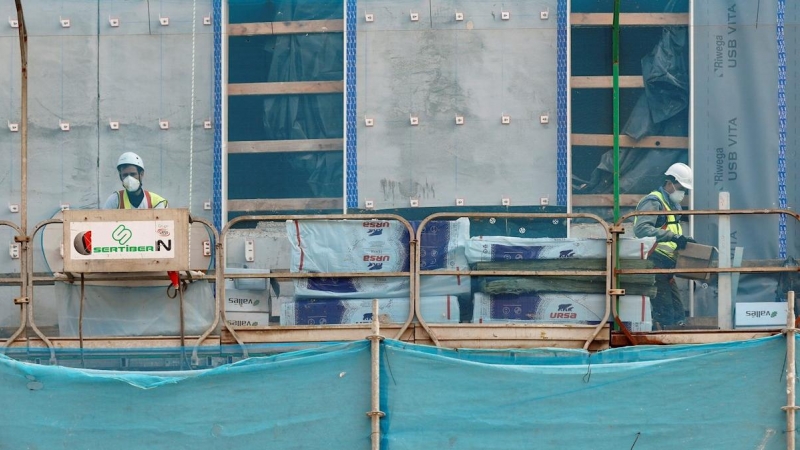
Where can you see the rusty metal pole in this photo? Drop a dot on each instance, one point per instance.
(23, 54)
(791, 378)
(375, 413)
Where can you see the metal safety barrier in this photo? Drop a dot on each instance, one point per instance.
(520, 273)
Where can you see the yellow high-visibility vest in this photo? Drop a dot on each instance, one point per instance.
(151, 198)
(672, 224)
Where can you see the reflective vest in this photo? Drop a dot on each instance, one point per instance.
(150, 198)
(672, 224)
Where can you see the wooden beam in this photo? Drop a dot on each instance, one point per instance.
(281, 28)
(282, 204)
(283, 88)
(311, 333)
(634, 19)
(294, 145)
(607, 140)
(605, 199)
(630, 200)
(606, 82)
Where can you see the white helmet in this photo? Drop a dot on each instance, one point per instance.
(682, 174)
(130, 158)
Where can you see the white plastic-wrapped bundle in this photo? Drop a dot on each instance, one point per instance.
(634, 310)
(326, 311)
(443, 244)
(348, 246)
(374, 245)
(502, 248)
(379, 287)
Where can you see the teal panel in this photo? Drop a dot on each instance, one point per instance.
(282, 117)
(285, 175)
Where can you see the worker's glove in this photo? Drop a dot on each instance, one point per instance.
(682, 241)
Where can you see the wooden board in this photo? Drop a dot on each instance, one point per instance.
(285, 88)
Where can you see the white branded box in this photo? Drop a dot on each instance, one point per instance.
(760, 315)
(247, 294)
(247, 319)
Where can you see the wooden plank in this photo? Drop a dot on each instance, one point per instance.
(605, 199)
(295, 145)
(312, 333)
(284, 88)
(282, 204)
(512, 335)
(607, 140)
(629, 19)
(280, 28)
(606, 82)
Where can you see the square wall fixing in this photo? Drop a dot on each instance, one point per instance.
(544, 119)
(164, 21)
(414, 120)
(64, 23)
(207, 124)
(505, 119)
(414, 202)
(459, 16)
(459, 120)
(163, 124)
(505, 15)
(113, 124)
(369, 121)
(505, 201)
(369, 17)
(113, 21)
(64, 126)
(369, 204)
(206, 20)
(13, 127)
(13, 23)
(459, 202)
(544, 15)
(414, 16)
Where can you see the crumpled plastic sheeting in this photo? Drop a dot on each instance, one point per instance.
(307, 399)
(666, 83)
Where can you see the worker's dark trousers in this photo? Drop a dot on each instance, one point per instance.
(666, 305)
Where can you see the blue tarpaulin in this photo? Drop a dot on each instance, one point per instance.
(649, 397)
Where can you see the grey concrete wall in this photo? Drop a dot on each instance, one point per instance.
(89, 74)
(437, 68)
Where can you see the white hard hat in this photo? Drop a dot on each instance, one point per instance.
(682, 174)
(130, 158)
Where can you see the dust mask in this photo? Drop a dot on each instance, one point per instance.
(131, 184)
(676, 196)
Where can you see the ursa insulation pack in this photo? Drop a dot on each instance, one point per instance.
(501, 248)
(376, 246)
(322, 311)
(634, 310)
(380, 287)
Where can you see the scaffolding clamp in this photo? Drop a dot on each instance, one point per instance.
(616, 292)
(616, 229)
(22, 239)
(22, 301)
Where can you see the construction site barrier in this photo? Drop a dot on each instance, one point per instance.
(611, 274)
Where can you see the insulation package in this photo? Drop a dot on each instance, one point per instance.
(322, 311)
(634, 310)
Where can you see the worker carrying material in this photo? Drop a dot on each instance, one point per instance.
(667, 306)
(131, 173)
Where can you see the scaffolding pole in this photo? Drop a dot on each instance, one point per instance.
(375, 413)
(791, 378)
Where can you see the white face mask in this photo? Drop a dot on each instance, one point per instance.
(131, 184)
(677, 196)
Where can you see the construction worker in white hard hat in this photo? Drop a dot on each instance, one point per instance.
(131, 172)
(667, 307)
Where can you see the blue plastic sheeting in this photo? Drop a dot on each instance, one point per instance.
(703, 396)
(306, 399)
(699, 397)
